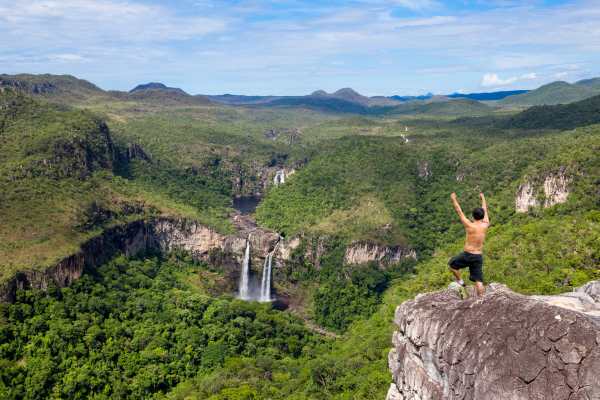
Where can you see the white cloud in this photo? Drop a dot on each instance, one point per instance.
(417, 5)
(67, 57)
(493, 80)
(417, 22)
(83, 21)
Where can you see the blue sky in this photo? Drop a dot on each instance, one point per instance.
(378, 47)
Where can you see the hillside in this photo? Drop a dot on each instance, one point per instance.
(65, 179)
(562, 116)
(155, 86)
(441, 107)
(554, 93)
(62, 88)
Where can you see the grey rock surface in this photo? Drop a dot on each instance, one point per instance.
(502, 346)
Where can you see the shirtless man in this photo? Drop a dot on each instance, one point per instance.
(472, 255)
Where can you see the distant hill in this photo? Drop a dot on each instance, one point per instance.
(156, 86)
(593, 83)
(555, 93)
(166, 97)
(321, 103)
(489, 96)
(351, 95)
(563, 116)
(317, 99)
(439, 106)
(454, 107)
(156, 92)
(410, 98)
(485, 96)
(235, 99)
(66, 89)
(56, 87)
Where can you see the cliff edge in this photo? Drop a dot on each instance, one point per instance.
(503, 346)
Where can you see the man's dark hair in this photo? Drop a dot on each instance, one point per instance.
(478, 213)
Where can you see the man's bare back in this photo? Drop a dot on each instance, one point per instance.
(475, 237)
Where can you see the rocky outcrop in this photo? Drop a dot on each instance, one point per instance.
(367, 252)
(555, 189)
(161, 234)
(289, 135)
(287, 247)
(129, 239)
(136, 152)
(423, 169)
(526, 197)
(503, 346)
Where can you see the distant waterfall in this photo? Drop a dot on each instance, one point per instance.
(279, 177)
(244, 293)
(265, 287)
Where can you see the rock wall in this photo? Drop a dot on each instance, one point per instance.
(503, 346)
(366, 252)
(423, 169)
(129, 239)
(555, 188)
(163, 234)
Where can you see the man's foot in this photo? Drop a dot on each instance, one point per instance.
(460, 289)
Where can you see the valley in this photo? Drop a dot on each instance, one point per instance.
(158, 244)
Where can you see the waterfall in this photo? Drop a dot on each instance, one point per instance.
(244, 293)
(265, 287)
(279, 177)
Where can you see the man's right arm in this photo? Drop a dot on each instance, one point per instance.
(465, 221)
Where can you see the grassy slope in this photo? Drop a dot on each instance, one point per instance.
(552, 93)
(562, 116)
(56, 173)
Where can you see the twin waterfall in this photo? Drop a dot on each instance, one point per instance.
(246, 291)
(265, 287)
(245, 278)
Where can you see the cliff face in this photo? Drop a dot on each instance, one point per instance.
(366, 252)
(129, 239)
(504, 346)
(163, 234)
(555, 190)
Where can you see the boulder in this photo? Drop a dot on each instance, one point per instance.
(502, 346)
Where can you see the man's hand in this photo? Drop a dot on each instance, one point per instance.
(481, 196)
(453, 196)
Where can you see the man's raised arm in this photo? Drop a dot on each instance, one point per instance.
(459, 211)
(486, 217)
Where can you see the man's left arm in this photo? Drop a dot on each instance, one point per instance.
(486, 216)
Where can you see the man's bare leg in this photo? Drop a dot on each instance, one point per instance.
(480, 288)
(456, 274)
(463, 289)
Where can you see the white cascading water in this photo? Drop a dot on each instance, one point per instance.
(279, 177)
(244, 291)
(265, 287)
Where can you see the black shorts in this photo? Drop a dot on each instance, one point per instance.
(473, 261)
